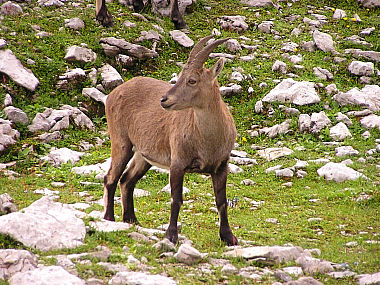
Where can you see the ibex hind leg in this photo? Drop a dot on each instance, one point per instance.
(120, 155)
(136, 170)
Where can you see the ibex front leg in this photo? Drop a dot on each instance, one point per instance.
(219, 179)
(176, 184)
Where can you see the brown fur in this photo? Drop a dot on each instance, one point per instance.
(185, 128)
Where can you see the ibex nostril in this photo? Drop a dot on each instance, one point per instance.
(164, 99)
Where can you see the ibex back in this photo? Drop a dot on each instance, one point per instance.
(185, 128)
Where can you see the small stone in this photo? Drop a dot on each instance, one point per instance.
(187, 254)
(229, 269)
(346, 150)
(16, 115)
(284, 173)
(74, 24)
(361, 68)
(181, 38)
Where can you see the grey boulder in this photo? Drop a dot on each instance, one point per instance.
(11, 66)
(45, 225)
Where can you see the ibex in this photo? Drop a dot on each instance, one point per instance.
(105, 18)
(184, 128)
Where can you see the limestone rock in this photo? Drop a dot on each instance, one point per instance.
(16, 115)
(370, 3)
(99, 168)
(339, 14)
(109, 226)
(340, 132)
(46, 275)
(319, 121)
(299, 93)
(80, 54)
(234, 23)
(181, 38)
(229, 91)
(304, 281)
(313, 266)
(370, 121)
(94, 94)
(278, 254)
(74, 24)
(340, 117)
(304, 123)
(130, 49)
(62, 155)
(258, 3)
(110, 77)
(346, 150)
(140, 278)
(6, 205)
(361, 68)
(45, 225)
(368, 97)
(13, 261)
(322, 73)
(279, 66)
(265, 27)
(367, 279)
(277, 129)
(167, 189)
(188, 255)
(10, 8)
(368, 54)
(13, 68)
(274, 153)
(8, 135)
(323, 41)
(338, 172)
(233, 45)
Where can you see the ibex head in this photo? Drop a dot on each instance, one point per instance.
(195, 82)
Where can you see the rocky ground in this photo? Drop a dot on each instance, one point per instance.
(315, 107)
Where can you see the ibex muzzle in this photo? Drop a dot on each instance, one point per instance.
(197, 137)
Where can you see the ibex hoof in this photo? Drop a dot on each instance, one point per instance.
(172, 235)
(230, 240)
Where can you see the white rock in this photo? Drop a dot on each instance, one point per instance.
(74, 23)
(10, 8)
(290, 91)
(13, 261)
(167, 189)
(100, 169)
(345, 150)
(370, 122)
(234, 89)
(274, 153)
(46, 275)
(368, 97)
(140, 278)
(323, 41)
(339, 14)
(188, 254)
(13, 68)
(94, 94)
(367, 279)
(338, 172)
(340, 117)
(361, 68)
(278, 254)
(234, 169)
(81, 54)
(16, 115)
(62, 155)
(286, 172)
(279, 66)
(109, 226)
(45, 225)
(340, 132)
(110, 77)
(319, 121)
(181, 38)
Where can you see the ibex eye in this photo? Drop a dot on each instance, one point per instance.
(192, 81)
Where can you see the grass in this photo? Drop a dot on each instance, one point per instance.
(343, 218)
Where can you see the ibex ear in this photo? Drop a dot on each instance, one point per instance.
(218, 67)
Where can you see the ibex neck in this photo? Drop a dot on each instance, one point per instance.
(214, 122)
